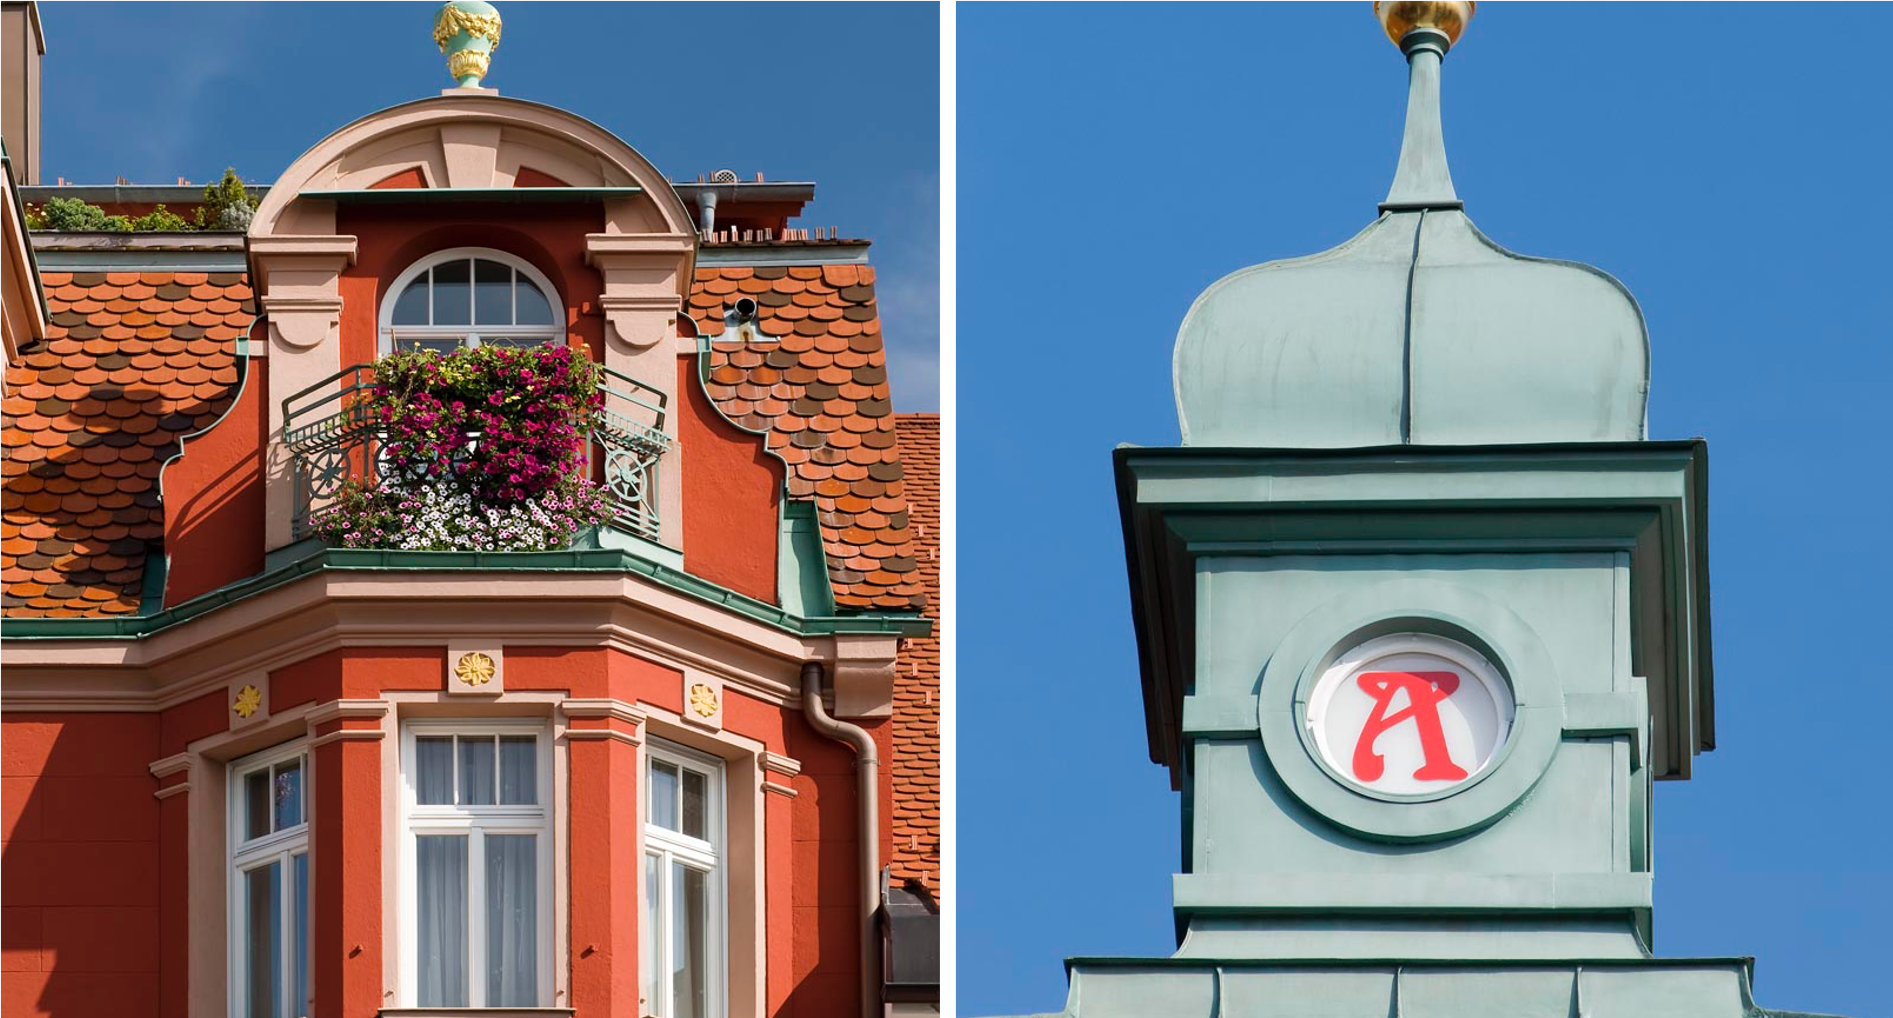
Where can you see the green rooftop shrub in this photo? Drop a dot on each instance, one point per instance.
(160, 219)
(227, 204)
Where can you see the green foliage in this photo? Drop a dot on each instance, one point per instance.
(35, 219)
(160, 219)
(227, 205)
(74, 214)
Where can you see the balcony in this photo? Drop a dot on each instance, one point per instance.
(335, 433)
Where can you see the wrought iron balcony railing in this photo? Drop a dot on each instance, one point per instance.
(332, 429)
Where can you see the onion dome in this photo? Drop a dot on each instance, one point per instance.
(1420, 329)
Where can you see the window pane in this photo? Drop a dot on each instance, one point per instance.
(410, 308)
(534, 308)
(519, 770)
(476, 770)
(434, 770)
(689, 955)
(263, 924)
(492, 293)
(512, 920)
(288, 795)
(693, 804)
(441, 902)
(647, 935)
(451, 293)
(256, 804)
(300, 904)
(664, 795)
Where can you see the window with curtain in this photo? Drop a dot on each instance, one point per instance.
(477, 857)
(268, 825)
(469, 297)
(682, 946)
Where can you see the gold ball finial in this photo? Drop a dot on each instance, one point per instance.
(1403, 16)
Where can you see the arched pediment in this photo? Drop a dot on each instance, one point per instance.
(471, 142)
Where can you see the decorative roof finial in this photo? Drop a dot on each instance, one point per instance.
(1424, 30)
(468, 31)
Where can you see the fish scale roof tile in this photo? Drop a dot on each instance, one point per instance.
(915, 770)
(128, 367)
(790, 385)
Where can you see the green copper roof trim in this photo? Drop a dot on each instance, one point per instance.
(397, 195)
(593, 560)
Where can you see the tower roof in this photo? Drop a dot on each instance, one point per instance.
(1420, 329)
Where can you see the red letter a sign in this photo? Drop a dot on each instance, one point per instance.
(1424, 692)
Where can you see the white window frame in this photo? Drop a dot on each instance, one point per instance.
(279, 847)
(469, 334)
(476, 822)
(709, 854)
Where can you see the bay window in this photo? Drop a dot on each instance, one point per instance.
(682, 932)
(476, 859)
(268, 893)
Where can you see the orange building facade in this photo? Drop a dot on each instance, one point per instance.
(687, 766)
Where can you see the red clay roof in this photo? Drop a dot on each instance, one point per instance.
(816, 386)
(916, 765)
(133, 362)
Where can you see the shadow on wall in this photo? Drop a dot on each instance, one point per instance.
(80, 866)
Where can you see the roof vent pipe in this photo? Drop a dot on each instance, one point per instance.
(706, 211)
(867, 762)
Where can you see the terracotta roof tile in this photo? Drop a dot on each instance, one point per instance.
(821, 398)
(915, 770)
(90, 416)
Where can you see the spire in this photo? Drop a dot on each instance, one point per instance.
(1424, 31)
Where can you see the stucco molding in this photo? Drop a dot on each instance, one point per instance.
(338, 710)
(862, 667)
(776, 763)
(303, 322)
(176, 763)
(782, 790)
(181, 788)
(603, 707)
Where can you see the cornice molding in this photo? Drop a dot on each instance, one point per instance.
(176, 763)
(335, 710)
(603, 707)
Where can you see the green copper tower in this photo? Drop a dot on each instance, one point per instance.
(1422, 613)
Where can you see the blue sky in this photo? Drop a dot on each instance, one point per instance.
(846, 95)
(1730, 171)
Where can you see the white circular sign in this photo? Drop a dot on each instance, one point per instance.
(1410, 714)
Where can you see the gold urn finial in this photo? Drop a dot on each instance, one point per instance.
(467, 31)
(1403, 16)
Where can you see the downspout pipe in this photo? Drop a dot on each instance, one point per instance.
(867, 835)
(706, 212)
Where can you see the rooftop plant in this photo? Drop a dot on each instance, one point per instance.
(227, 204)
(483, 450)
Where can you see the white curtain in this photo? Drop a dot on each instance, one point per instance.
(441, 864)
(512, 918)
(519, 770)
(434, 770)
(476, 770)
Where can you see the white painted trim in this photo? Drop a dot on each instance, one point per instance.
(706, 855)
(782, 790)
(170, 790)
(478, 822)
(384, 329)
(602, 734)
(276, 848)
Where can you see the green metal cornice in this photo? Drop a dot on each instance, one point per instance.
(590, 561)
(1648, 500)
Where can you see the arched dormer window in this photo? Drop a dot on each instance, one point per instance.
(468, 297)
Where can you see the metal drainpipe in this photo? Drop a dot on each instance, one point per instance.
(868, 765)
(706, 211)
